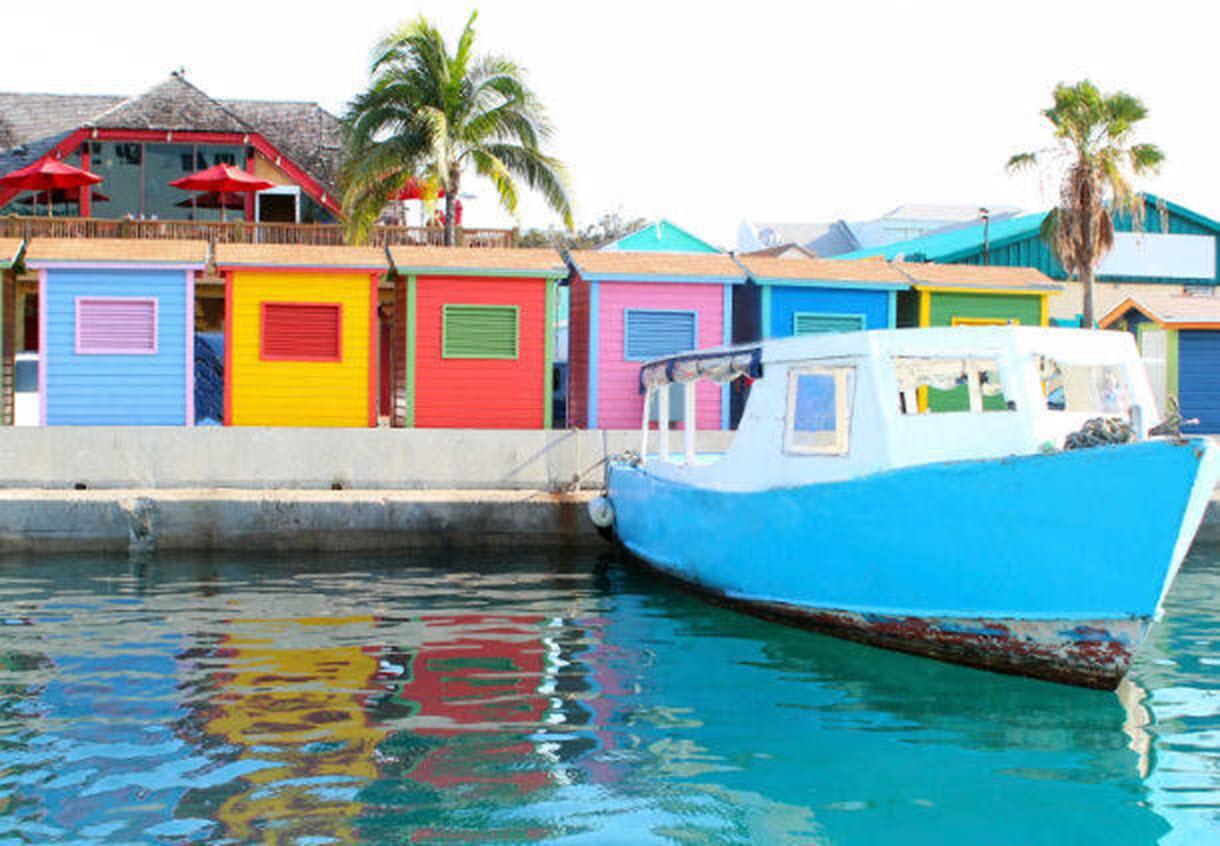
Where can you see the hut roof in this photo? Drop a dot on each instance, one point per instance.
(871, 271)
(656, 266)
(1168, 308)
(1013, 279)
(115, 251)
(10, 251)
(457, 261)
(301, 257)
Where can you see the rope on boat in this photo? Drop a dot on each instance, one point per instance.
(1100, 431)
(1172, 425)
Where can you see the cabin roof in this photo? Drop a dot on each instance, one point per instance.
(767, 269)
(656, 266)
(994, 278)
(464, 261)
(10, 251)
(40, 251)
(1167, 308)
(301, 257)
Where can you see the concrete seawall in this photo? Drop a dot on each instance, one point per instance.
(319, 459)
(142, 521)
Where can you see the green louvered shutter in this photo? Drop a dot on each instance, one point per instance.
(479, 331)
(811, 323)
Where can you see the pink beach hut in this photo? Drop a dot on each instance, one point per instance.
(629, 307)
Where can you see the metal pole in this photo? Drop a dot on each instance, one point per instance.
(986, 213)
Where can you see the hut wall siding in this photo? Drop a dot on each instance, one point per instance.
(1199, 378)
(479, 392)
(8, 341)
(578, 354)
(787, 300)
(126, 389)
(620, 405)
(1026, 309)
(299, 393)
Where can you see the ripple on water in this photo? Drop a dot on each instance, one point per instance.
(563, 699)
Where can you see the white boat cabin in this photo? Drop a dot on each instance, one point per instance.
(837, 406)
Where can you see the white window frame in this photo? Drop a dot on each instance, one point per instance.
(845, 379)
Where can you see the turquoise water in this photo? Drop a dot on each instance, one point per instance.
(561, 700)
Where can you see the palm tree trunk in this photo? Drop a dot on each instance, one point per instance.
(451, 191)
(1087, 319)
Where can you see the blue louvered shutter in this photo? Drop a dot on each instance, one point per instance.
(809, 323)
(651, 334)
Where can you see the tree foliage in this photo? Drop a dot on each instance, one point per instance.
(433, 113)
(1096, 156)
(608, 227)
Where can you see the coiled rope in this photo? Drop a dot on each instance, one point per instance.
(1100, 431)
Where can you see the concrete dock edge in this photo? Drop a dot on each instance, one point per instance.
(142, 521)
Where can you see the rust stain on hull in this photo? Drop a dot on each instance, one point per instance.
(1082, 653)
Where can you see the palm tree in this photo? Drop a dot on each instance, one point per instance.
(434, 114)
(1093, 134)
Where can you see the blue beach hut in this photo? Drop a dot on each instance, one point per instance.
(116, 330)
(802, 296)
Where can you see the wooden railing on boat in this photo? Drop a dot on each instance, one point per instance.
(241, 232)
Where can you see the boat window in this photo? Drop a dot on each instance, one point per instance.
(937, 385)
(818, 421)
(1090, 388)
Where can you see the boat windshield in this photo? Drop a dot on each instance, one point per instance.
(1087, 388)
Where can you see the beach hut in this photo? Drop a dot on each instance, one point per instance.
(804, 296)
(1179, 339)
(116, 330)
(301, 342)
(476, 331)
(969, 295)
(10, 255)
(628, 307)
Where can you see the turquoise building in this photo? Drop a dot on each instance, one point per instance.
(661, 237)
(1175, 247)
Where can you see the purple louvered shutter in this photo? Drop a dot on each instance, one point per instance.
(116, 325)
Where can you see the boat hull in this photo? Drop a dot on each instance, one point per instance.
(1051, 566)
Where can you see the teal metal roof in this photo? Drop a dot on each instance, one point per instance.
(664, 236)
(956, 244)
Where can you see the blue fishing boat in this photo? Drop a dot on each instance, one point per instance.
(993, 496)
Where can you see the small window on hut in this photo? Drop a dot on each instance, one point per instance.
(301, 332)
(116, 326)
(811, 323)
(480, 331)
(818, 421)
(650, 333)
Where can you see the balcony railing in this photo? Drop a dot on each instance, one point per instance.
(241, 232)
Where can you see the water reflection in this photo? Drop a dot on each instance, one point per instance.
(559, 700)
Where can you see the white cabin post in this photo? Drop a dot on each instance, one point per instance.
(974, 388)
(689, 425)
(644, 424)
(663, 420)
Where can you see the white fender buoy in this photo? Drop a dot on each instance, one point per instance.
(601, 512)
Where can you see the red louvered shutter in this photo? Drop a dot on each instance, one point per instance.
(116, 326)
(301, 332)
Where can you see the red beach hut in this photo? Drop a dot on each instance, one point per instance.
(475, 330)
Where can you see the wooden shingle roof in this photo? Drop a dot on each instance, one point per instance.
(767, 268)
(115, 251)
(595, 264)
(992, 278)
(300, 257)
(1168, 308)
(454, 261)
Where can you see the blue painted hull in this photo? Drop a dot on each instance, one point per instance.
(1045, 565)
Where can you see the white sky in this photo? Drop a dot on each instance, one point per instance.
(707, 112)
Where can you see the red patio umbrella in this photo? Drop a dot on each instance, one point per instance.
(214, 200)
(413, 190)
(222, 179)
(47, 174)
(63, 195)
